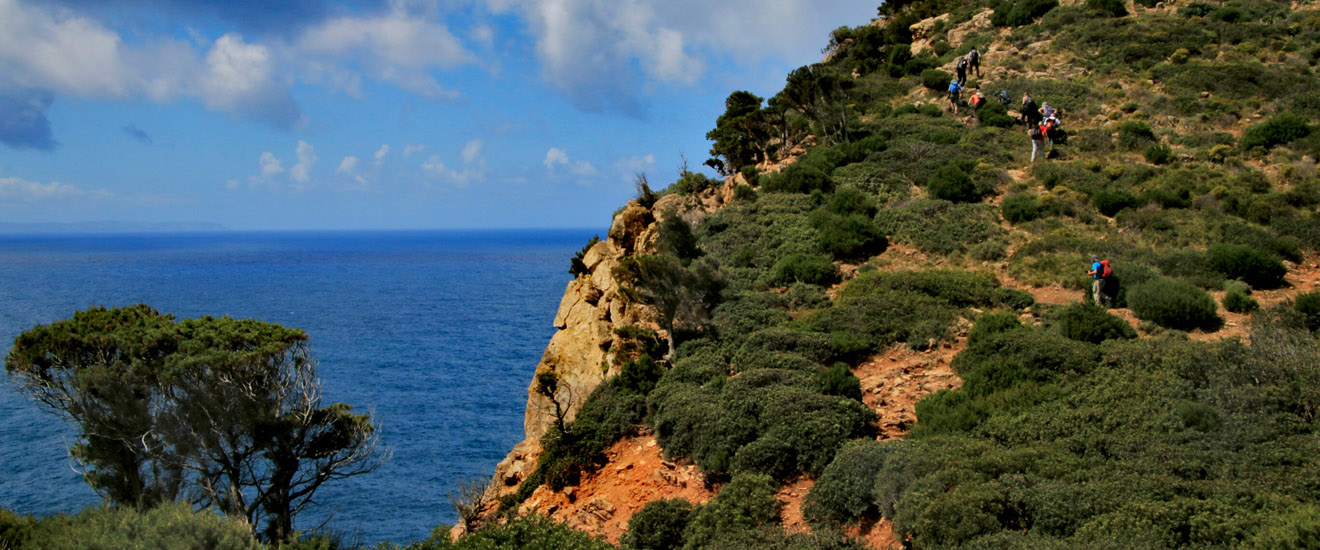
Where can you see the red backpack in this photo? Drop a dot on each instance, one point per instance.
(1105, 270)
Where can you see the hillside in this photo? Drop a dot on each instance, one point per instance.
(880, 313)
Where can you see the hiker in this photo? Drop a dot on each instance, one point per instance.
(1037, 140)
(961, 67)
(1050, 127)
(1046, 110)
(1100, 273)
(974, 60)
(955, 89)
(1003, 97)
(978, 99)
(1030, 114)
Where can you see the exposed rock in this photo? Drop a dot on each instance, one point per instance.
(979, 22)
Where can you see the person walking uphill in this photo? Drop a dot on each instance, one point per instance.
(974, 60)
(961, 67)
(955, 90)
(1100, 273)
(1030, 113)
(1037, 141)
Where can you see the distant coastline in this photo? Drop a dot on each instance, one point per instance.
(7, 228)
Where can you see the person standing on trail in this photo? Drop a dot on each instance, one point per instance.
(974, 60)
(1037, 141)
(961, 67)
(1100, 273)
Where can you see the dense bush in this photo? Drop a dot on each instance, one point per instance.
(1015, 13)
(658, 526)
(745, 503)
(936, 79)
(995, 114)
(1020, 207)
(166, 526)
(1174, 304)
(843, 492)
(1238, 302)
(1112, 201)
(805, 268)
(1308, 305)
(1254, 267)
(799, 177)
(1087, 322)
(848, 237)
(840, 381)
(1158, 154)
(952, 184)
(1280, 129)
(1113, 8)
(992, 323)
(940, 227)
(575, 266)
(1134, 135)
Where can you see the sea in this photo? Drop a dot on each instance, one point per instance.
(437, 333)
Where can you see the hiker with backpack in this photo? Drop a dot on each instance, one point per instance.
(974, 60)
(1037, 141)
(1003, 97)
(1100, 273)
(1030, 113)
(1050, 127)
(978, 99)
(955, 90)
(1046, 110)
(961, 67)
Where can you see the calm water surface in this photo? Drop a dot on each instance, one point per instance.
(436, 332)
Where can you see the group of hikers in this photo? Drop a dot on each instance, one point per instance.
(1043, 123)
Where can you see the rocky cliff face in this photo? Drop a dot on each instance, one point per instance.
(581, 352)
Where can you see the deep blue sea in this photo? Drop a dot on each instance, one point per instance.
(437, 332)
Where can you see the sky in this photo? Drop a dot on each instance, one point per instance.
(375, 114)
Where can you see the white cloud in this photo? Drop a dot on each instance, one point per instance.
(435, 168)
(400, 47)
(270, 164)
(239, 78)
(596, 51)
(471, 151)
(636, 163)
(347, 166)
(583, 168)
(306, 160)
(380, 153)
(21, 190)
(555, 156)
(410, 149)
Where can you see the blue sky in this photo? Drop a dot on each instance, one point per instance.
(371, 114)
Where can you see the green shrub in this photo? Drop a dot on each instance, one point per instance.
(843, 492)
(525, 532)
(936, 79)
(1112, 8)
(849, 200)
(799, 177)
(1308, 305)
(1112, 201)
(1134, 135)
(767, 455)
(1280, 129)
(956, 287)
(15, 530)
(995, 114)
(989, 251)
(1087, 322)
(1015, 13)
(167, 526)
(952, 184)
(1175, 304)
(1020, 208)
(1239, 302)
(940, 227)
(1012, 298)
(745, 503)
(805, 268)
(1256, 268)
(1158, 154)
(848, 237)
(658, 526)
(839, 380)
(992, 323)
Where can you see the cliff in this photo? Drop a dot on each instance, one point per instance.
(905, 348)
